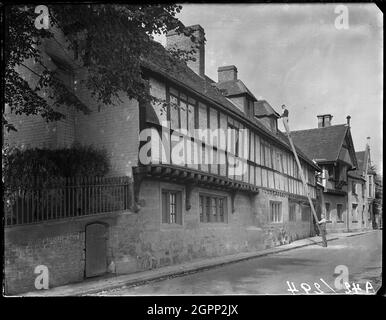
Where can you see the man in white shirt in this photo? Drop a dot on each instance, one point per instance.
(322, 226)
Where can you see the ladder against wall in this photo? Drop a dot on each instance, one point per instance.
(286, 126)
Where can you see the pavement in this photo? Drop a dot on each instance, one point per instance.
(104, 284)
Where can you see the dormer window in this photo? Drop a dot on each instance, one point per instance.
(266, 115)
(235, 90)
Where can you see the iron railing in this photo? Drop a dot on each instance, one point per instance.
(39, 201)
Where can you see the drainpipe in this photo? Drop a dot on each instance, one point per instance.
(348, 224)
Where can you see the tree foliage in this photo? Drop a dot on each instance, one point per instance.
(108, 42)
(24, 167)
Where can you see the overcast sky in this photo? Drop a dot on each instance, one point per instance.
(294, 54)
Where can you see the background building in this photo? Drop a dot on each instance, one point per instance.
(332, 148)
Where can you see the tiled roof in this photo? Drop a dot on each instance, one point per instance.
(360, 158)
(161, 62)
(359, 173)
(283, 137)
(321, 144)
(264, 109)
(234, 87)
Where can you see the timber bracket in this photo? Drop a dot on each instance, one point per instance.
(233, 196)
(138, 177)
(188, 194)
(137, 187)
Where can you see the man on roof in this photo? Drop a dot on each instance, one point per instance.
(284, 115)
(285, 111)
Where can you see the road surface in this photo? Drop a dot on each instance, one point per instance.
(361, 254)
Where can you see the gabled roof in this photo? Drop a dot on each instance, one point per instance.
(264, 109)
(361, 160)
(234, 88)
(284, 138)
(160, 62)
(321, 144)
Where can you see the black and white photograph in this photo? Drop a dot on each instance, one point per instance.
(193, 149)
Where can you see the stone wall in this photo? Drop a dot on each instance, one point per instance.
(140, 241)
(59, 245)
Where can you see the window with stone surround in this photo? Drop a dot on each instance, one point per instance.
(328, 211)
(354, 212)
(213, 208)
(339, 212)
(171, 207)
(353, 188)
(275, 214)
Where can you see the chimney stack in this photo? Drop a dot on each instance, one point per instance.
(368, 141)
(348, 120)
(182, 42)
(227, 73)
(324, 120)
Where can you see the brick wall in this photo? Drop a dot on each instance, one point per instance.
(180, 41)
(114, 128)
(57, 245)
(32, 132)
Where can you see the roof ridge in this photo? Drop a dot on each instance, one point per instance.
(332, 126)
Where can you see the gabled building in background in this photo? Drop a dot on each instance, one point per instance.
(362, 187)
(331, 147)
(183, 211)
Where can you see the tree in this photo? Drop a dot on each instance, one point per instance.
(378, 184)
(378, 196)
(108, 42)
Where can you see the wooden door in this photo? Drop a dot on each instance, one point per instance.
(96, 249)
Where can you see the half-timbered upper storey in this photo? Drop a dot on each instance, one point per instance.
(217, 132)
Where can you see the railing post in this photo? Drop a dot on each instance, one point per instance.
(36, 201)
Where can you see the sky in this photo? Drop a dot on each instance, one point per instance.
(314, 58)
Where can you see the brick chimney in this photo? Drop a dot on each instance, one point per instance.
(182, 42)
(368, 141)
(227, 73)
(348, 120)
(324, 120)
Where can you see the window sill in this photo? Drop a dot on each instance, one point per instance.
(340, 221)
(214, 224)
(169, 226)
(355, 221)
